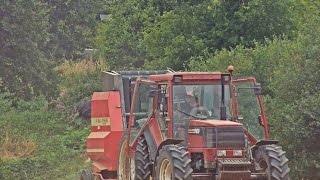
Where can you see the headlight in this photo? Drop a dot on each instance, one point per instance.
(194, 131)
(237, 152)
(221, 153)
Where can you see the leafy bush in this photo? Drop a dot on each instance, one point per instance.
(39, 144)
(78, 81)
(5, 103)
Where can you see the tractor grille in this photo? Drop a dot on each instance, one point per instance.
(227, 137)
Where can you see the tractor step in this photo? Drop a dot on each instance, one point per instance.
(234, 169)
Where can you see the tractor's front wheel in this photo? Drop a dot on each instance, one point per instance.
(271, 160)
(173, 163)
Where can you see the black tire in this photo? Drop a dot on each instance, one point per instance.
(142, 160)
(174, 159)
(141, 170)
(271, 159)
(86, 174)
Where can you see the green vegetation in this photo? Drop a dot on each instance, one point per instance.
(170, 33)
(44, 74)
(39, 144)
(24, 71)
(46, 140)
(72, 27)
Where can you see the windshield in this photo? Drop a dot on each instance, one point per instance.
(249, 108)
(198, 102)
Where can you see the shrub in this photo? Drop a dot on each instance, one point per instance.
(78, 81)
(37, 143)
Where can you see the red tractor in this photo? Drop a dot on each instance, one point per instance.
(181, 125)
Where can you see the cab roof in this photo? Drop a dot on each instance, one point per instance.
(188, 76)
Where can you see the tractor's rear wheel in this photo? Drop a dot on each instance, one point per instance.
(173, 163)
(271, 159)
(137, 168)
(142, 160)
(86, 174)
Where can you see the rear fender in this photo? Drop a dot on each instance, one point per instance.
(261, 143)
(152, 146)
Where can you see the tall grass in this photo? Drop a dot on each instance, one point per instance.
(14, 147)
(70, 69)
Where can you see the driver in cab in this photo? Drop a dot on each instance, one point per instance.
(188, 105)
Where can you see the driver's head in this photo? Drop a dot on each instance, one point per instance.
(192, 101)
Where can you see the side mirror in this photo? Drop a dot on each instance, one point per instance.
(257, 89)
(260, 121)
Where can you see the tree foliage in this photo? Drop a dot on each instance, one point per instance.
(23, 31)
(31, 32)
(207, 26)
(119, 36)
(71, 26)
(169, 33)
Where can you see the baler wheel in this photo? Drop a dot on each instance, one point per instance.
(271, 159)
(86, 174)
(173, 163)
(142, 160)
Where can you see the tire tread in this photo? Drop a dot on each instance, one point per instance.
(279, 169)
(142, 159)
(180, 161)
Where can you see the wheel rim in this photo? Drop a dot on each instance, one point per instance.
(123, 163)
(263, 164)
(165, 170)
(132, 168)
